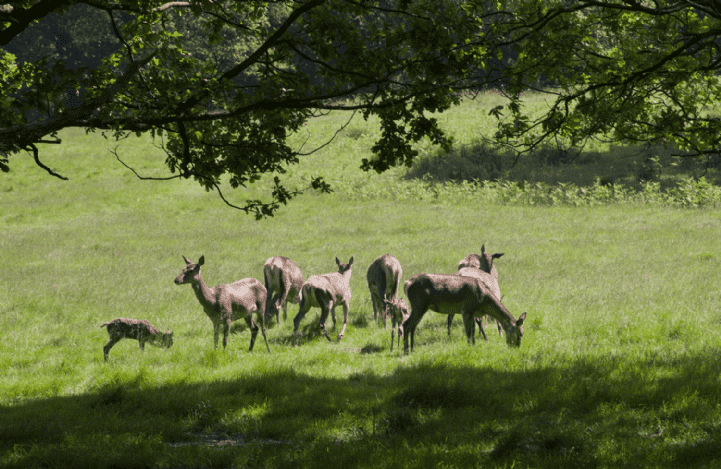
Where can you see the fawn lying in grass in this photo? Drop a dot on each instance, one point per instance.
(138, 329)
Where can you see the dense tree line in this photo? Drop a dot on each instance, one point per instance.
(227, 82)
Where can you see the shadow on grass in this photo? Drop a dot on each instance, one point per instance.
(596, 412)
(625, 165)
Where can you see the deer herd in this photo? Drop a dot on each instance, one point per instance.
(472, 292)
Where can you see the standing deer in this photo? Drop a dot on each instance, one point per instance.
(480, 266)
(399, 313)
(138, 329)
(283, 281)
(384, 279)
(452, 294)
(226, 303)
(325, 292)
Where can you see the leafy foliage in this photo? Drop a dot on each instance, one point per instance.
(624, 70)
(226, 83)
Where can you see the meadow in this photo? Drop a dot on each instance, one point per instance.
(619, 365)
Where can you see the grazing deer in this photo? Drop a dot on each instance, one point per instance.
(384, 278)
(283, 281)
(226, 303)
(452, 294)
(138, 329)
(480, 266)
(325, 292)
(399, 312)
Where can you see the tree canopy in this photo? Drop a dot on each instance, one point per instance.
(225, 83)
(628, 71)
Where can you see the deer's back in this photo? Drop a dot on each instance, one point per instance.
(247, 293)
(490, 280)
(334, 284)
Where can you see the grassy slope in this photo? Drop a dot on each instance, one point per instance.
(618, 368)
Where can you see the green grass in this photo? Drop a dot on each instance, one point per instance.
(619, 366)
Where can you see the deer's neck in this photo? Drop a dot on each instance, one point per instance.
(203, 293)
(500, 314)
(346, 277)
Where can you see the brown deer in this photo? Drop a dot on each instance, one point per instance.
(138, 329)
(226, 303)
(480, 266)
(384, 278)
(453, 294)
(283, 281)
(399, 313)
(325, 292)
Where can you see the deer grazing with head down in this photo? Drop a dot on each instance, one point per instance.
(226, 303)
(456, 294)
(283, 281)
(325, 292)
(384, 279)
(480, 266)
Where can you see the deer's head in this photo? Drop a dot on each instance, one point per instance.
(515, 332)
(190, 272)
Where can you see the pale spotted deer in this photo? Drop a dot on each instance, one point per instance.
(137, 329)
(384, 279)
(325, 292)
(226, 303)
(399, 312)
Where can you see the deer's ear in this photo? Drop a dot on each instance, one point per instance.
(497, 255)
(350, 262)
(187, 262)
(201, 261)
(483, 249)
(521, 318)
(337, 261)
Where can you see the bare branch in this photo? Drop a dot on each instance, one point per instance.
(34, 150)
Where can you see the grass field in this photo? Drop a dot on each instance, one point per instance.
(619, 365)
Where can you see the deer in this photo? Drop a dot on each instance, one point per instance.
(384, 279)
(453, 294)
(138, 329)
(480, 266)
(225, 303)
(283, 281)
(399, 313)
(325, 291)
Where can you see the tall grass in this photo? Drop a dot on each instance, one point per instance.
(619, 364)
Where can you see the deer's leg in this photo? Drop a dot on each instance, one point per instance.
(216, 333)
(262, 329)
(393, 331)
(226, 330)
(284, 302)
(304, 307)
(141, 342)
(375, 300)
(323, 317)
(468, 325)
(382, 304)
(253, 330)
(450, 323)
(108, 346)
(481, 327)
(345, 321)
(331, 305)
(410, 327)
